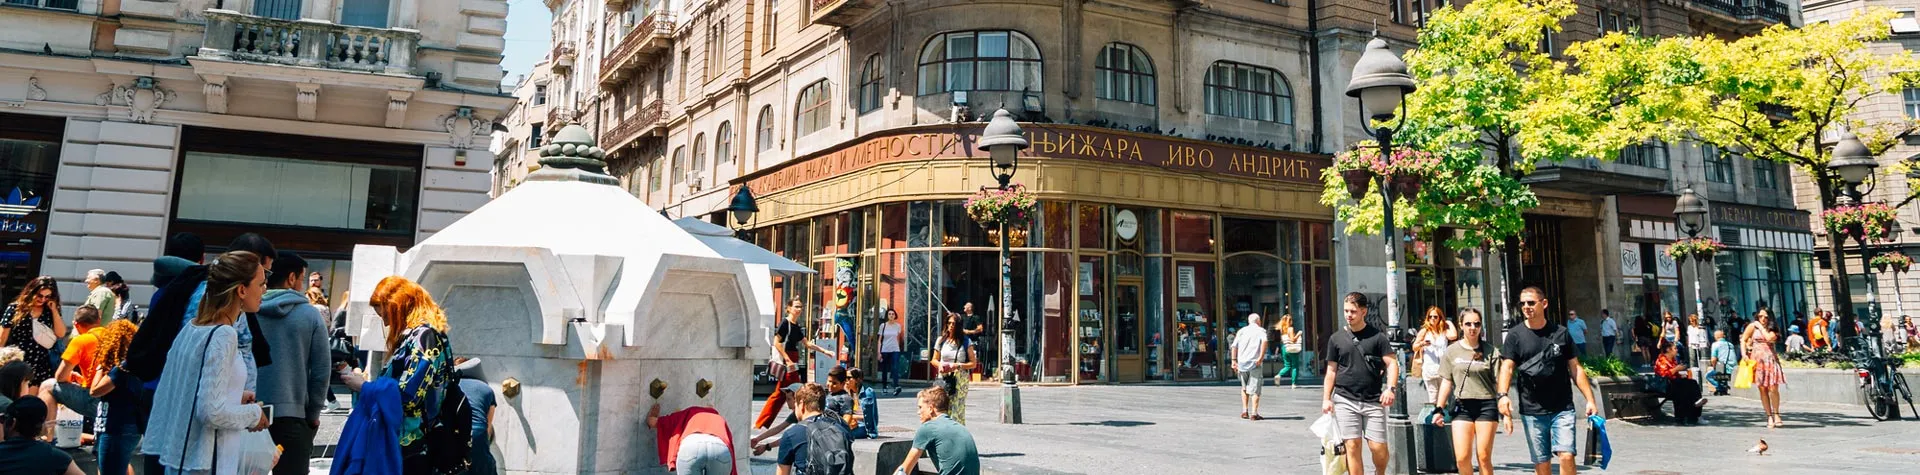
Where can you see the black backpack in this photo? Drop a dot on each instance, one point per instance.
(450, 436)
(829, 448)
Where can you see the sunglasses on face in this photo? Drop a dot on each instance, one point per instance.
(1528, 303)
(1470, 324)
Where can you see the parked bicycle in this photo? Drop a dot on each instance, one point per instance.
(1880, 375)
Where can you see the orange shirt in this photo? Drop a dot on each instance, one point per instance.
(80, 352)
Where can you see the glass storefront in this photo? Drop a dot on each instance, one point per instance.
(1103, 293)
(1749, 280)
(29, 159)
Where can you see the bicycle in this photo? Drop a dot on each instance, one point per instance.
(1881, 377)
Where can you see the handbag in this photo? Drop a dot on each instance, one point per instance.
(1743, 375)
(43, 334)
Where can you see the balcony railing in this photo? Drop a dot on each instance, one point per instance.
(626, 129)
(1764, 10)
(239, 37)
(563, 55)
(652, 35)
(842, 12)
(557, 115)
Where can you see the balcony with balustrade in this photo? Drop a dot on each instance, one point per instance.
(842, 12)
(235, 36)
(558, 115)
(562, 56)
(640, 44)
(1758, 12)
(629, 128)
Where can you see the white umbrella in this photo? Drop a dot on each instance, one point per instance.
(722, 241)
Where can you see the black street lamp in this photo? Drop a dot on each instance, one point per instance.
(1381, 82)
(1691, 209)
(1003, 140)
(742, 208)
(1854, 164)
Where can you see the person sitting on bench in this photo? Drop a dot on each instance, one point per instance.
(1682, 389)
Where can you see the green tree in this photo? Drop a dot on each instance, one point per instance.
(1494, 105)
(1780, 95)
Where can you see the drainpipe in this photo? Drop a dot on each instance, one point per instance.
(1313, 77)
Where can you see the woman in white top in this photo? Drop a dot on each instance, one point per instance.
(201, 407)
(1697, 337)
(1431, 345)
(892, 339)
(955, 362)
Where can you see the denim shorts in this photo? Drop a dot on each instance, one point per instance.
(1548, 434)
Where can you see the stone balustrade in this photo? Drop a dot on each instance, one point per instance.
(240, 37)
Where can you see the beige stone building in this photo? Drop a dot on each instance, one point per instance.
(1176, 151)
(320, 124)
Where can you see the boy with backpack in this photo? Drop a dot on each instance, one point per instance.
(819, 445)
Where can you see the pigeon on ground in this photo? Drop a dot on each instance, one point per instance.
(1759, 449)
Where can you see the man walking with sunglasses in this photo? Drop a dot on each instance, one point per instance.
(1542, 352)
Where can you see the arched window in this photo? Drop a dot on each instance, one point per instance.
(813, 112)
(1123, 73)
(763, 138)
(653, 174)
(723, 144)
(679, 164)
(1248, 92)
(699, 153)
(994, 60)
(871, 78)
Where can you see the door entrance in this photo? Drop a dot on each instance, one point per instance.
(1128, 333)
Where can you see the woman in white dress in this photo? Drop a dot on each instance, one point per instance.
(201, 406)
(1431, 345)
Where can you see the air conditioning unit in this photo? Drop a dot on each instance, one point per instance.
(693, 180)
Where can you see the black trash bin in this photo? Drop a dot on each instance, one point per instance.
(1435, 445)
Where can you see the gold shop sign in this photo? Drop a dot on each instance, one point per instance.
(1050, 142)
(1747, 216)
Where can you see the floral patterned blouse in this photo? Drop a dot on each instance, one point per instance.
(423, 366)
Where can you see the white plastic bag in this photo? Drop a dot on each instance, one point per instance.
(257, 453)
(1325, 427)
(66, 428)
(1333, 460)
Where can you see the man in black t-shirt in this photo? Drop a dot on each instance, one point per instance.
(789, 337)
(975, 327)
(1359, 364)
(1542, 353)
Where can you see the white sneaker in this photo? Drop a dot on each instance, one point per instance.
(333, 407)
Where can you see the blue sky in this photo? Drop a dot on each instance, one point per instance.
(527, 37)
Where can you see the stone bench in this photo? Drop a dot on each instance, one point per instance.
(881, 456)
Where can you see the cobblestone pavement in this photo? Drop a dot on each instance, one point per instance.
(1197, 429)
(1155, 429)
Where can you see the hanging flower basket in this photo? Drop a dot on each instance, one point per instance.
(1698, 248)
(1898, 261)
(1405, 171)
(1014, 206)
(1868, 222)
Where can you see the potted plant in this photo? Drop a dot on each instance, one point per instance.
(1698, 248)
(1867, 222)
(1405, 170)
(1898, 261)
(1014, 206)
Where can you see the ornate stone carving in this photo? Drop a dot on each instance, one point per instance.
(462, 125)
(141, 98)
(307, 101)
(397, 108)
(216, 91)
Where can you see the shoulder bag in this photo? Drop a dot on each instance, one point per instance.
(42, 333)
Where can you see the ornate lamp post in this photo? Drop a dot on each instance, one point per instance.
(1003, 141)
(1854, 164)
(1691, 209)
(1381, 82)
(742, 208)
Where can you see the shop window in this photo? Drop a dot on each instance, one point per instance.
(1122, 72)
(29, 159)
(893, 225)
(1091, 335)
(872, 81)
(1248, 92)
(958, 229)
(1054, 227)
(1251, 284)
(1250, 235)
(1057, 328)
(830, 234)
(229, 188)
(1319, 241)
(1093, 226)
(979, 61)
(1197, 349)
(1193, 233)
(814, 112)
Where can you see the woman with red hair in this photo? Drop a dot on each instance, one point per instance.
(421, 363)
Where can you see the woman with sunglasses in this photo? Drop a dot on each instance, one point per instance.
(38, 304)
(1466, 374)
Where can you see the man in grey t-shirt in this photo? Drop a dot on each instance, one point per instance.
(939, 437)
